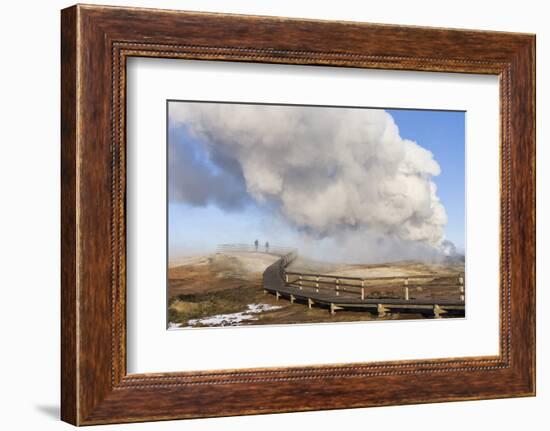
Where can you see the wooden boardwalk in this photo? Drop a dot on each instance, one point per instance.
(339, 292)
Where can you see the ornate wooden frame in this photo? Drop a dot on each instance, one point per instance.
(95, 42)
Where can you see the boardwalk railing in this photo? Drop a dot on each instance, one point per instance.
(274, 275)
(362, 286)
(338, 292)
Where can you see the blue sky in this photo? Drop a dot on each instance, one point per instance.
(200, 227)
(443, 133)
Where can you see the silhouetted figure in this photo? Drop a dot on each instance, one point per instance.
(256, 243)
(267, 247)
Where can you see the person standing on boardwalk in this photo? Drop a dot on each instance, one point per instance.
(267, 246)
(256, 243)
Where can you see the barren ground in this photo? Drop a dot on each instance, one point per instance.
(226, 289)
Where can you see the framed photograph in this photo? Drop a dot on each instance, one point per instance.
(353, 206)
(306, 211)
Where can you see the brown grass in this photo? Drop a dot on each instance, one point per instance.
(220, 284)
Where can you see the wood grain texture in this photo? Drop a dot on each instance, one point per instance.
(69, 397)
(96, 41)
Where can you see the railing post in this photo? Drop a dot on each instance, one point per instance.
(317, 284)
(461, 288)
(300, 282)
(363, 290)
(406, 289)
(337, 286)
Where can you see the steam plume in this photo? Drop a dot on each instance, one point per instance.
(329, 172)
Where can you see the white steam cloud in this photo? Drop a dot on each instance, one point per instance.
(329, 172)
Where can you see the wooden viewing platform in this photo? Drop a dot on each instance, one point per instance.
(342, 292)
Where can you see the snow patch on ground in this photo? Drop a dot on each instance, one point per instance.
(172, 325)
(234, 319)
